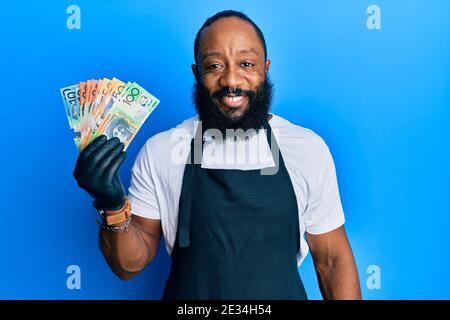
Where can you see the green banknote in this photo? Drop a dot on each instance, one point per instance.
(128, 113)
(110, 107)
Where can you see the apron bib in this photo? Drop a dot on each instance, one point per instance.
(238, 235)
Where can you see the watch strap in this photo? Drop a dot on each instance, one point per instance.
(112, 217)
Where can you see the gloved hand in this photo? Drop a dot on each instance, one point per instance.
(96, 171)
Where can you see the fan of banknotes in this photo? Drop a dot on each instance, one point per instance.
(110, 107)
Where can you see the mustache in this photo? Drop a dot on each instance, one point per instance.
(236, 91)
(256, 114)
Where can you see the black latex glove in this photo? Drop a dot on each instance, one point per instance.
(96, 171)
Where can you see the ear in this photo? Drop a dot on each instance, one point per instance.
(267, 66)
(195, 72)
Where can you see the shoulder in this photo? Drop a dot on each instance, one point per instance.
(306, 154)
(298, 138)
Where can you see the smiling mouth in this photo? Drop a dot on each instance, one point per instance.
(233, 102)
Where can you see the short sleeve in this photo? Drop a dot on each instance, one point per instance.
(141, 192)
(324, 211)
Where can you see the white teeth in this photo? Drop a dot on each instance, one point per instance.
(233, 99)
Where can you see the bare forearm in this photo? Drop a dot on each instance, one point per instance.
(339, 280)
(125, 252)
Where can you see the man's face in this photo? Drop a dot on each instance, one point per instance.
(230, 57)
(120, 132)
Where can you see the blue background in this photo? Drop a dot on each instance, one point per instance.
(379, 98)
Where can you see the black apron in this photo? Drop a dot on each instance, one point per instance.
(238, 235)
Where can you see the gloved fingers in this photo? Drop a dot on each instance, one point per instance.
(97, 156)
(107, 159)
(114, 166)
(94, 145)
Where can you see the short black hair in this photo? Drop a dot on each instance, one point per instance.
(228, 14)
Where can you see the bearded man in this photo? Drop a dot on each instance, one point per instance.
(232, 229)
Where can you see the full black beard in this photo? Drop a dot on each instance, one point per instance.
(254, 116)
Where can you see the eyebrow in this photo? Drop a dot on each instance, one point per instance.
(217, 53)
(252, 50)
(210, 54)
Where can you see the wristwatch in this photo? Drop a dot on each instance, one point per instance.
(111, 217)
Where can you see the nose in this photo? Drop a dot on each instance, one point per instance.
(231, 78)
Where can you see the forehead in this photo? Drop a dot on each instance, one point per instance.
(231, 34)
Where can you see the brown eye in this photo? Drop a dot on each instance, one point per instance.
(247, 65)
(212, 66)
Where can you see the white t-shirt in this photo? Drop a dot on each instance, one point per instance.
(157, 174)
